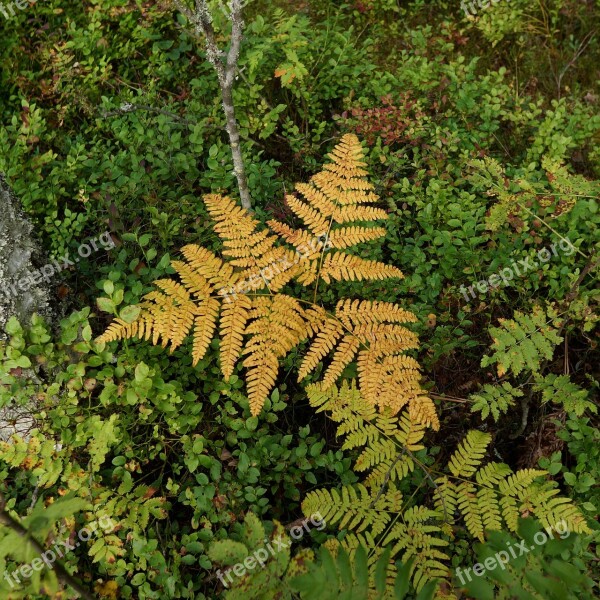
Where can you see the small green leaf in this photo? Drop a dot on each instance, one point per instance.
(130, 313)
(105, 305)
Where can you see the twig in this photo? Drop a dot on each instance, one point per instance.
(450, 398)
(63, 575)
(584, 44)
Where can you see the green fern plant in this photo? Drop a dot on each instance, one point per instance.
(485, 496)
(561, 189)
(494, 399)
(561, 390)
(524, 342)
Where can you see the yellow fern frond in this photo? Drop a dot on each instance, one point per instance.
(313, 218)
(325, 341)
(232, 221)
(338, 195)
(204, 328)
(121, 330)
(362, 312)
(422, 410)
(234, 317)
(345, 267)
(317, 199)
(316, 319)
(387, 377)
(277, 325)
(173, 312)
(345, 237)
(195, 282)
(243, 242)
(347, 158)
(344, 354)
(332, 185)
(297, 237)
(288, 273)
(349, 214)
(209, 266)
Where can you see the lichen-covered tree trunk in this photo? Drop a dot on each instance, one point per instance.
(22, 289)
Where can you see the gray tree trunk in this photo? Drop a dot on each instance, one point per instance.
(22, 289)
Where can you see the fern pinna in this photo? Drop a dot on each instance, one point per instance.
(376, 514)
(240, 294)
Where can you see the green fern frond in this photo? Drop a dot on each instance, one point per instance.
(469, 507)
(494, 399)
(492, 474)
(561, 390)
(484, 496)
(350, 507)
(469, 454)
(445, 498)
(523, 342)
(489, 508)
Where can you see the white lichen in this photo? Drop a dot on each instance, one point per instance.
(19, 255)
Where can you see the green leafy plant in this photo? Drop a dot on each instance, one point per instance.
(551, 571)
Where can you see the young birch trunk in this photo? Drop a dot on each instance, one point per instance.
(201, 19)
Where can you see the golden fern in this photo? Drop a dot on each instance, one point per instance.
(335, 200)
(486, 496)
(370, 331)
(240, 294)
